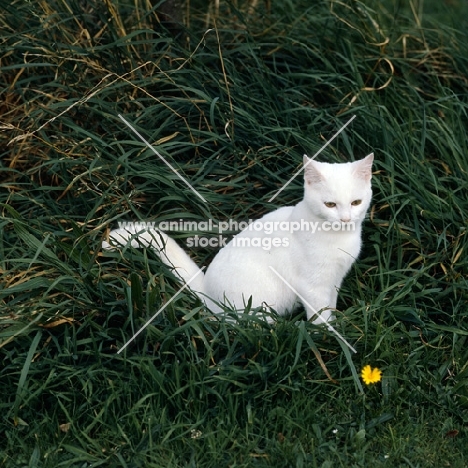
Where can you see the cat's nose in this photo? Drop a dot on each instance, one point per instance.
(345, 220)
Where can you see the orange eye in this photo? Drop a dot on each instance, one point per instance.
(330, 204)
(356, 202)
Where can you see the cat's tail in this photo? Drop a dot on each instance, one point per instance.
(167, 249)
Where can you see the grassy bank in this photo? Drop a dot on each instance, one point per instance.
(232, 102)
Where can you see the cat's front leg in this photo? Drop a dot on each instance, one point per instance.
(323, 316)
(318, 303)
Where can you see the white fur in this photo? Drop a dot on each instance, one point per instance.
(313, 263)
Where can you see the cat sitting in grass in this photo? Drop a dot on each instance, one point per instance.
(308, 263)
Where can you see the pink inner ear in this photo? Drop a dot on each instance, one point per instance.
(311, 173)
(364, 167)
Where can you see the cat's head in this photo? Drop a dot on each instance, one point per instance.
(338, 192)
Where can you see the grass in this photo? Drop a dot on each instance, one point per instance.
(233, 108)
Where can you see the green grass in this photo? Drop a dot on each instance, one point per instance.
(233, 108)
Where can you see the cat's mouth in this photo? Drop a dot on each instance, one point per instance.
(347, 225)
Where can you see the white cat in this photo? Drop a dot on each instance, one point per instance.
(304, 265)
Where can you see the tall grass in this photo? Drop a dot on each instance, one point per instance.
(232, 102)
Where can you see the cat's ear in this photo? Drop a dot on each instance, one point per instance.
(364, 167)
(311, 173)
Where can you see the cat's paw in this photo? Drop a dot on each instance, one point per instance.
(324, 317)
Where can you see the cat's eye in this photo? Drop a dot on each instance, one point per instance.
(356, 202)
(330, 204)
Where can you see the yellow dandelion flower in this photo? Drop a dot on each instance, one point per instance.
(370, 375)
